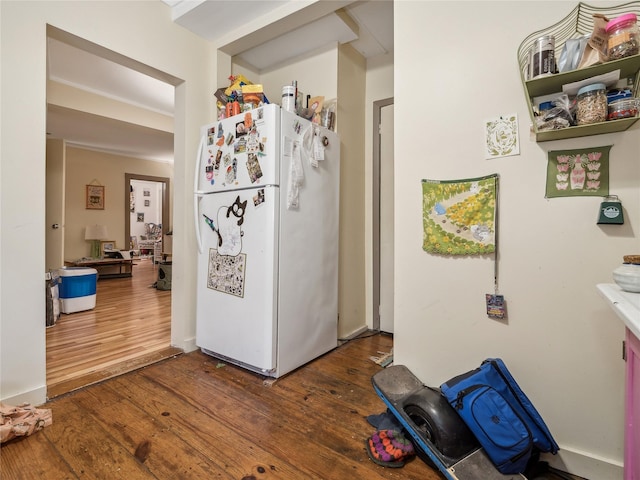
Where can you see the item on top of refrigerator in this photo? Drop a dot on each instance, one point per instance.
(253, 95)
(221, 96)
(295, 96)
(237, 81)
(328, 114)
(315, 104)
(288, 98)
(591, 104)
(623, 108)
(623, 36)
(305, 113)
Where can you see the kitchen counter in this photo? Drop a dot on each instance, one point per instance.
(625, 304)
(627, 307)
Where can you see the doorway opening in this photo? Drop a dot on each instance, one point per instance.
(131, 323)
(146, 215)
(383, 223)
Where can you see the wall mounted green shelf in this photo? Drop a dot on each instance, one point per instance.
(575, 25)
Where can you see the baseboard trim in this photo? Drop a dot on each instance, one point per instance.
(35, 397)
(584, 464)
(189, 345)
(353, 334)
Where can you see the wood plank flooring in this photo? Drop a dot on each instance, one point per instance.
(192, 417)
(129, 327)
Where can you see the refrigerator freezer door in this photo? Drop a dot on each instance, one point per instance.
(239, 151)
(236, 307)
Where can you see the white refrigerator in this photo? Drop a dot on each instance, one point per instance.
(267, 211)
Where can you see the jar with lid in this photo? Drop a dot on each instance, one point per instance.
(623, 108)
(623, 36)
(288, 98)
(591, 104)
(543, 60)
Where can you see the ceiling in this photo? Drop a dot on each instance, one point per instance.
(266, 34)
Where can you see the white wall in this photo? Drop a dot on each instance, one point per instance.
(455, 65)
(119, 26)
(350, 122)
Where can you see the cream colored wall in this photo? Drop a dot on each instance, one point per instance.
(167, 47)
(561, 341)
(350, 126)
(379, 87)
(337, 73)
(316, 74)
(77, 99)
(85, 166)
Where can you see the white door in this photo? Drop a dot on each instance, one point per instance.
(386, 219)
(54, 214)
(236, 308)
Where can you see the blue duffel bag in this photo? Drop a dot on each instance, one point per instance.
(500, 415)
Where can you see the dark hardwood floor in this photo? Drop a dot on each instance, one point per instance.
(192, 416)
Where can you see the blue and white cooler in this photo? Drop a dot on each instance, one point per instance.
(77, 289)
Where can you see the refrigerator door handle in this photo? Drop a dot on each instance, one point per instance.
(196, 197)
(196, 209)
(196, 174)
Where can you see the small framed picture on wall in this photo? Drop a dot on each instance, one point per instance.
(140, 216)
(147, 203)
(94, 196)
(146, 192)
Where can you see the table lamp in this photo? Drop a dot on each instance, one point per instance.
(95, 233)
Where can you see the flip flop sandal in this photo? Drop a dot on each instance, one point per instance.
(389, 448)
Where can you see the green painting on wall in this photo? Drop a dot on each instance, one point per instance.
(459, 216)
(578, 173)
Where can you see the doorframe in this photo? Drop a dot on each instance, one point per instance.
(127, 195)
(378, 105)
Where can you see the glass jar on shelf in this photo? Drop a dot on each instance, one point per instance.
(623, 36)
(591, 104)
